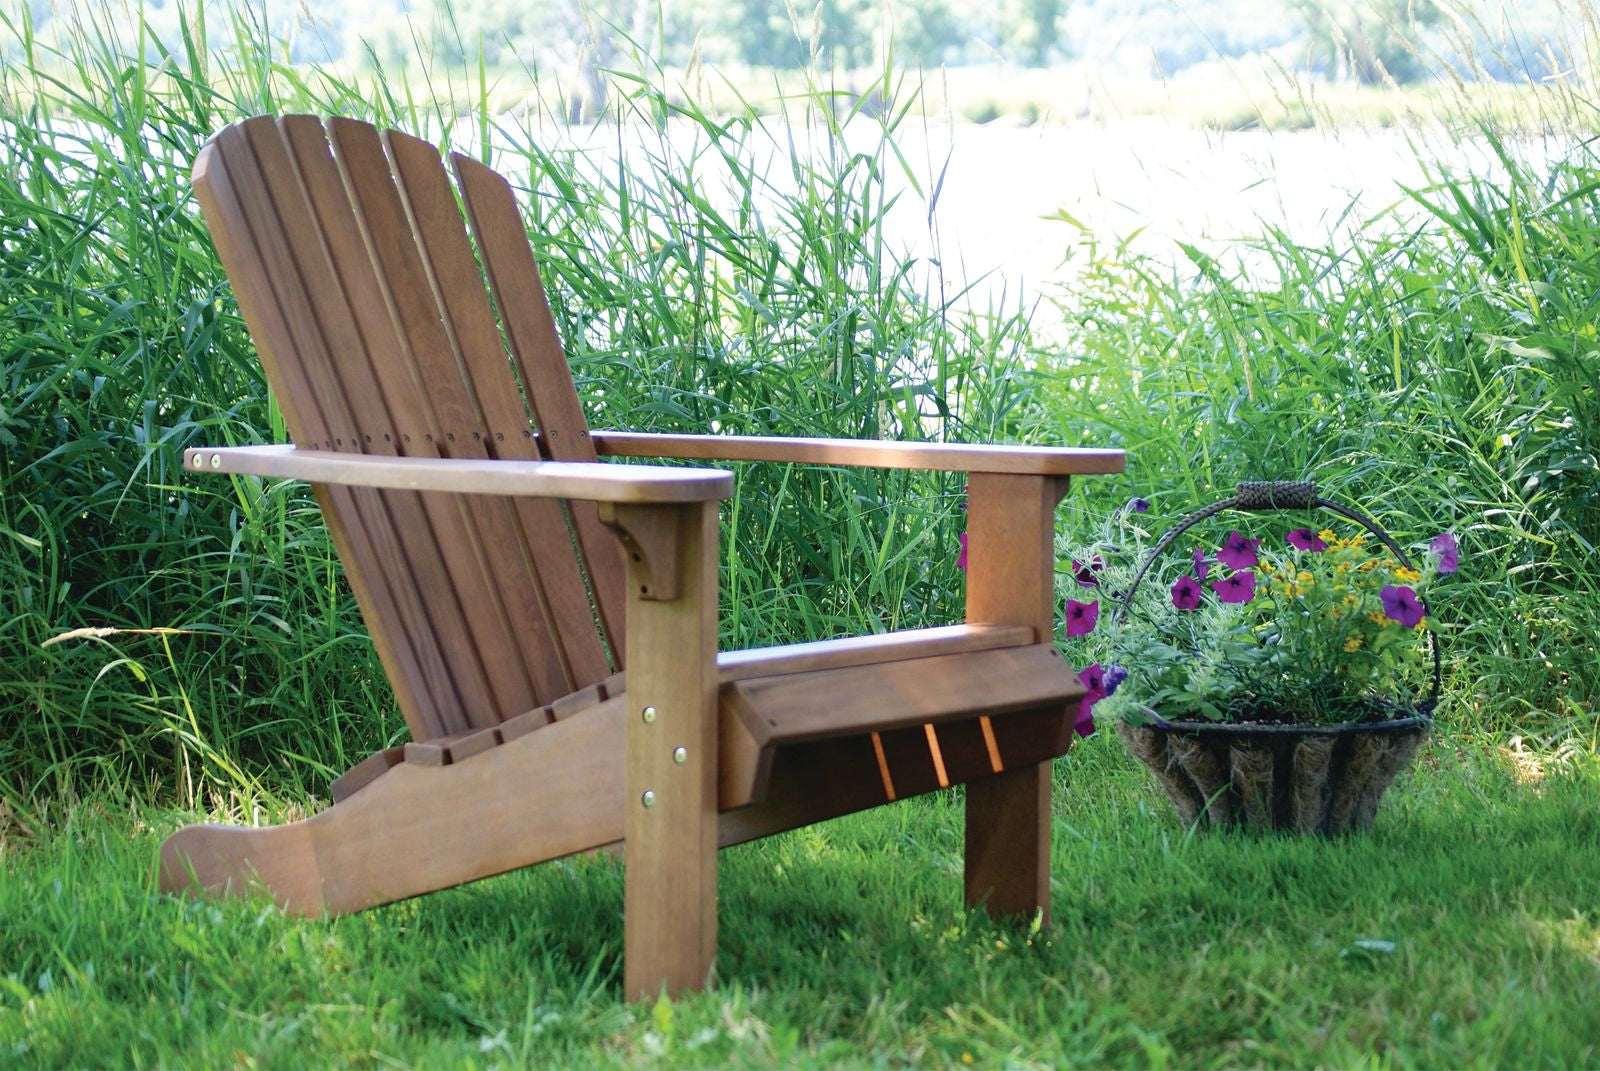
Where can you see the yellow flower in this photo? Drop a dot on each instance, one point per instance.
(1410, 576)
(1377, 618)
(1305, 578)
(1352, 644)
(1327, 536)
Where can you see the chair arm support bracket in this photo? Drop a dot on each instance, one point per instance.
(653, 538)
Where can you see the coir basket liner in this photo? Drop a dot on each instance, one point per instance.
(1306, 778)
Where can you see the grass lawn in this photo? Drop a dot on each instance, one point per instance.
(1464, 931)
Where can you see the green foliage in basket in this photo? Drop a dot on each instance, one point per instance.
(1303, 626)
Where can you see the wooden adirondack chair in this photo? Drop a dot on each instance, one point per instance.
(504, 618)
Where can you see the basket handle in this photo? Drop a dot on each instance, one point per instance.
(1265, 496)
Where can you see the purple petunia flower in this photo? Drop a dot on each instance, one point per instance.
(1448, 551)
(961, 559)
(1137, 505)
(1306, 539)
(1081, 617)
(1239, 551)
(1094, 680)
(1093, 677)
(1114, 676)
(1084, 572)
(1240, 587)
(1401, 604)
(1200, 566)
(1186, 593)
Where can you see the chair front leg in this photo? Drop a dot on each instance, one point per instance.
(670, 821)
(1011, 581)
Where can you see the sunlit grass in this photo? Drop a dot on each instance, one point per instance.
(1460, 934)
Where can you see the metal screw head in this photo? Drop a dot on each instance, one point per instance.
(649, 715)
(648, 799)
(216, 461)
(680, 755)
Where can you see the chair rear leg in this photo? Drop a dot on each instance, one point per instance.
(1008, 843)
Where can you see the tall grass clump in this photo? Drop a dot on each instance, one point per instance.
(198, 635)
(1441, 368)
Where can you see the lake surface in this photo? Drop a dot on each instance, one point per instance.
(995, 219)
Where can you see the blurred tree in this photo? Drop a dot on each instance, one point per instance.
(1033, 29)
(1372, 41)
(765, 35)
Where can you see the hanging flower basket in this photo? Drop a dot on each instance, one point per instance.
(1260, 768)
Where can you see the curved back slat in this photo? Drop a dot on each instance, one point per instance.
(470, 324)
(355, 274)
(541, 365)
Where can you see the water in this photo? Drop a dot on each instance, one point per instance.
(1015, 202)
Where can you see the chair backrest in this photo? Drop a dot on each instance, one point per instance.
(348, 254)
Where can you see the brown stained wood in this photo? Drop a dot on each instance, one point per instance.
(469, 321)
(365, 772)
(847, 766)
(473, 744)
(651, 547)
(423, 686)
(636, 484)
(542, 366)
(576, 703)
(306, 288)
(868, 650)
(512, 622)
(396, 417)
(420, 828)
(453, 748)
(899, 695)
(240, 861)
(1011, 580)
(525, 723)
(461, 824)
(916, 700)
(670, 803)
(938, 457)
(744, 766)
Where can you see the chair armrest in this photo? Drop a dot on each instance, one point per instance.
(866, 453)
(622, 484)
